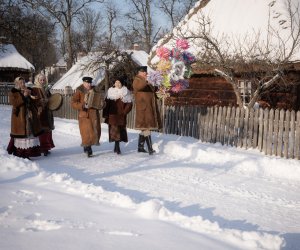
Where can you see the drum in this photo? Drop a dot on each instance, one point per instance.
(55, 101)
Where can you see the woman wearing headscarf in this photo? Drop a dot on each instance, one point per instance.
(25, 125)
(118, 105)
(42, 92)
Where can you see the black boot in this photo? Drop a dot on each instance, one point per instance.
(117, 147)
(88, 150)
(141, 144)
(149, 144)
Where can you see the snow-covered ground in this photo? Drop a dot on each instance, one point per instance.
(190, 195)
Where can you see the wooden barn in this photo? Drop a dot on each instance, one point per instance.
(13, 64)
(208, 89)
(232, 19)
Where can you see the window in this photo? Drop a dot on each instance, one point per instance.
(245, 88)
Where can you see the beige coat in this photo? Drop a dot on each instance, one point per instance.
(147, 113)
(88, 119)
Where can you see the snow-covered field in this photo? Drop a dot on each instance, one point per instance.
(190, 195)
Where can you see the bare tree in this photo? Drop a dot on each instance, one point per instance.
(89, 25)
(175, 10)
(32, 34)
(262, 61)
(63, 12)
(140, 17)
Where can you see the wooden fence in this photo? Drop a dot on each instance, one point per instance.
(4, 89)
(273, 132)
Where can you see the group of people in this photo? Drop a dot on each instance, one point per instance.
(32, 121)
(117, 104)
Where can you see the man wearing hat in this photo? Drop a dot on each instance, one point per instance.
(88, 117)
(147, 113)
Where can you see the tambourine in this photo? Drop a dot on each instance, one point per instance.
(55, 101)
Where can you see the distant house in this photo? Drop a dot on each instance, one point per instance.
(94, 65)
(238, 19)
(13, 64)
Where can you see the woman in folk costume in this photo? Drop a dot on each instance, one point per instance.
(25, 125)
(40, 89)
(88, 117)
(118, 105)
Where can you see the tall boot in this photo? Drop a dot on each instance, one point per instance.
(117, 147)
(141, 144)
(149, 144)
(89, 151)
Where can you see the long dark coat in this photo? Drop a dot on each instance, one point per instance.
(45, 114)
(115, 114)
(147, 113)
(24, 117)
(89, 119)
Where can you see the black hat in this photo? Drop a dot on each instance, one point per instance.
(87, 79)
(142, 69)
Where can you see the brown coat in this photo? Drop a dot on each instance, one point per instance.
(115, 112)
(89, 119)
(147, 113)
(45, 114)
(24, 118)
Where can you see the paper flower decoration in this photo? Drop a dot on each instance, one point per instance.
(180, 85)
(163, 53)
(182, 44)
(155, 78)
(172, 70)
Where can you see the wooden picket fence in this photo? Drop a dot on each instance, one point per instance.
(4, 89)
(273, 132)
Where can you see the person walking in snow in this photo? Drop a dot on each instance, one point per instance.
(147, 113)
(88, 117)
(42, 93)
(25, 124)
(118, 104)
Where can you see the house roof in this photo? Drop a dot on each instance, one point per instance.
(10, 58)
(83, 67)
(236, 19)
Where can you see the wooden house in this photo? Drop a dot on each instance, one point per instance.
(235, 19)
(13, 64)
(103, 69)
(208, 89)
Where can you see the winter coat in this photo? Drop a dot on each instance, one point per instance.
(88, 118)
(24, 117)
(147, 113)
(117, 106)
(45, 114)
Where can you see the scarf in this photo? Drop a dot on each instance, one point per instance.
(122, 93)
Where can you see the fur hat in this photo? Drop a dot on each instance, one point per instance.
(87, 79)
(142, 69)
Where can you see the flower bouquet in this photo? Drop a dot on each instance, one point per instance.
(172, 70)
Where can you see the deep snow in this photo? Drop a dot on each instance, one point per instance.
(189, 195)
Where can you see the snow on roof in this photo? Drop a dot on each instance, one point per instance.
(11, 58)
(61, 63)
(73, 77)
(236, 19)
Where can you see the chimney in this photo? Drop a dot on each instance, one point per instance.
(136, 46)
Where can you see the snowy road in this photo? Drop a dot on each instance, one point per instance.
(239, 197)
